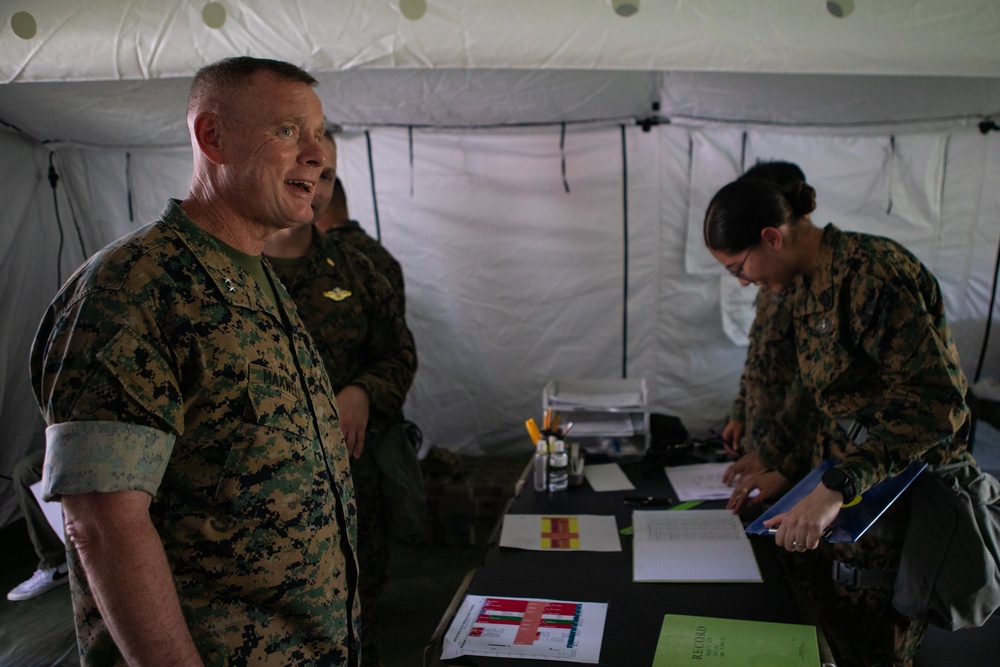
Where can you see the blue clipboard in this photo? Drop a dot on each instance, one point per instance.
(852, 522)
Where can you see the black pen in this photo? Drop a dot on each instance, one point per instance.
(649, 501)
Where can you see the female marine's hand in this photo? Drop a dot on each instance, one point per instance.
(801, 527)
(748, 464)
(770, 484)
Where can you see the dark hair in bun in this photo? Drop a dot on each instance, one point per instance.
(769, 194)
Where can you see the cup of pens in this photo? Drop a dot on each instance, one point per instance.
(556, 468)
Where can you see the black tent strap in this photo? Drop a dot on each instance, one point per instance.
(892, 173)
(743, 152)
(410, 139)
(624, 253)
(128, 185)
(562, 152)
(371, 175)
(53, 181)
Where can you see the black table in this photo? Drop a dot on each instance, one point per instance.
(635, 610)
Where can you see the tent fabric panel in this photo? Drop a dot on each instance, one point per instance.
(145, 39)
(826, 103)
(29, 236)
(696, 364)
(138, 114)
(970, 241)
(455, 98)
(511, 280)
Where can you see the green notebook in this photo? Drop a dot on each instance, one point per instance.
(702, 640)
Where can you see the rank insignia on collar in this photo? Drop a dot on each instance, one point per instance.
(337, 294)
(823, 326)
(330, 262)
(229, 284)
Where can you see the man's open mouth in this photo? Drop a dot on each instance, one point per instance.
(305, 186)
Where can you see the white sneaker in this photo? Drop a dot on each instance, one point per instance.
(41, 581)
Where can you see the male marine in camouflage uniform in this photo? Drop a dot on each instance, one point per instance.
(193, 437)
(874, 346)
(356, 319)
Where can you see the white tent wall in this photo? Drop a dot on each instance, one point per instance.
(511, 279)
(28, 242)
(518, 272)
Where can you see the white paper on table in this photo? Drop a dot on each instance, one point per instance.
(560, 532)
(699, 481)
(691, 545)
(546, 629)
(607, 477)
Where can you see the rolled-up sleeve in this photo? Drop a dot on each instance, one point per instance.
(104, 456)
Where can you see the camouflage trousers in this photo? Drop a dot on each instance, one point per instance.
(861, 625)
(373, 555)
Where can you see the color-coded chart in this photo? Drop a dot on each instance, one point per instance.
(527, 628)
(560, 532)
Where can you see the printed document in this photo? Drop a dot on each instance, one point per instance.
(549, 532)
(700, 481)
(526, 628)
(691, 545)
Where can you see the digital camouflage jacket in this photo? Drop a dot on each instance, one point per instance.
(162, 367)
(874, 346)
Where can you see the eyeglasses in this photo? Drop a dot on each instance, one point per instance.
(738, 273)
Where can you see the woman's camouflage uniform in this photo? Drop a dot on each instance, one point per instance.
(161, 366)
(874, 347)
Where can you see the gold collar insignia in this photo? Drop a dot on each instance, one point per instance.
(338, 294)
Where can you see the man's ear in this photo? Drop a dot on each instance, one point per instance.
(208, 132)
(773, 237)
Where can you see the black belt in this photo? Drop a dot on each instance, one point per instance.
(857, 577)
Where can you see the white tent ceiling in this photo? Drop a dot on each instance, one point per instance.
(151, 112)
(156, 39)
(531, 251)
(482, 62)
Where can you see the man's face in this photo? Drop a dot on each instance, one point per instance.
(324, 187)
(272, 152)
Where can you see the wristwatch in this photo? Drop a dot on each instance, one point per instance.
(836, 479)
